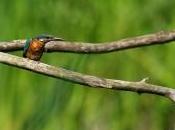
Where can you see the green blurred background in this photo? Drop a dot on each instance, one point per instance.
(30, 101)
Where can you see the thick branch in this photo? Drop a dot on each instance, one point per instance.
(91, 81)
(77, 47)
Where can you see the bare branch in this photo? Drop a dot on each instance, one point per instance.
(77, 47)
(87, 80)
(91, 81)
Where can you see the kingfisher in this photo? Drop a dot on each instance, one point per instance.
(34, 47)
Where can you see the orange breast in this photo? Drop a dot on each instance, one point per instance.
(36, 45)
(35, 50)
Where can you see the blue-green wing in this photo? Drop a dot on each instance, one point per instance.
(26, 47)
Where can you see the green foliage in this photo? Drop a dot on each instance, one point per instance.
(31, 101)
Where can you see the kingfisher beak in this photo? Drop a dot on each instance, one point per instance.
(53, 39)
(57, 39)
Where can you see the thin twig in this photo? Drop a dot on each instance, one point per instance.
(91, 81)
(78, 47)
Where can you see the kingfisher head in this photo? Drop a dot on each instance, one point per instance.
(47, 38)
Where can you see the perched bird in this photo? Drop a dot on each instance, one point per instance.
(34, 48)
